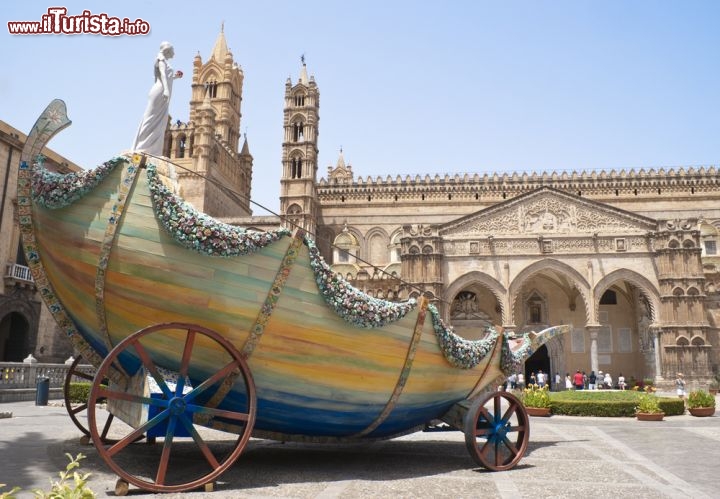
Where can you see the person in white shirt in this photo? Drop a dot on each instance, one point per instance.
(607, 381)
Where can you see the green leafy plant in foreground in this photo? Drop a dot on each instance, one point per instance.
(534, 396)
(648, 404)
(700, 398)
(9, 494)
(72, 485)
(64, 488)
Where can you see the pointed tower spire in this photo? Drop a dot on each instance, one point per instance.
(220, 50)
(341, 160)
(303, 71)
(245, 151)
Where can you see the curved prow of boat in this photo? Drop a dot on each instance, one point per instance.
(52, 120)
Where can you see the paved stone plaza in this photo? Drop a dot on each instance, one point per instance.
(567, 457)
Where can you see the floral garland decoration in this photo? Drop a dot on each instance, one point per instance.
(510, 361)
(201, 232)
(349, 302)
(57, 190)
(459, 351)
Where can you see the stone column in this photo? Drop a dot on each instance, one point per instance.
(594, 361)
(655, 332)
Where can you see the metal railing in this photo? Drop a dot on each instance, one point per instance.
(20, 375)
(19, 272)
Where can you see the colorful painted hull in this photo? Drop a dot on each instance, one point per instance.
(109, 267)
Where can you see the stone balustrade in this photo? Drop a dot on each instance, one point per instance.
(18, 380)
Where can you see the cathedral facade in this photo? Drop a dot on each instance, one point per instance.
(628, 258)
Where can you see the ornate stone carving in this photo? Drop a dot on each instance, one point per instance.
(548, 213)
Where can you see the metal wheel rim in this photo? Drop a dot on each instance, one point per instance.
(497, 438)
(217, 467)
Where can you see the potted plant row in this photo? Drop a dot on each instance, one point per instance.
(700, 403)
(536, 400)
(648, 408)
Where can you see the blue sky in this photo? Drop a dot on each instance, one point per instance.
(408, 87)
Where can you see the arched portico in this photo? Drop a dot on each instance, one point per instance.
(625, 336)
(474, 302)
(561, 280)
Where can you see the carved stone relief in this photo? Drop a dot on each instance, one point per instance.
(548, 213)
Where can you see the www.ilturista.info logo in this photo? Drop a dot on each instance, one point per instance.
(57, 22)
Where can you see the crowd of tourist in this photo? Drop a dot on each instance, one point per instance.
(578, 381)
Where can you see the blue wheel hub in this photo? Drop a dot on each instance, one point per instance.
(177, 406)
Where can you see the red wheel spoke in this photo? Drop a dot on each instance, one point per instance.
(479, 432)
(519, 427)
(200, 443)
(79, 408)
(211, 411)
(82, 375)
(508, 414)
(485, 415)
(113, 395)
(106, 428)
(130, 438)
(211, 380)
(165, 456)
(150, 366)
(496, 408)
(486, 448)
(511, 446)
(185, 362)
(498, 455)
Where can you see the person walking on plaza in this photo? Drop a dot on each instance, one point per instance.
(592, 380)
(520, 381)
(541, 378)
(568, 381)
(607, 381)
(621, 382)
(558, 386)
(680, 385)
(578, 380)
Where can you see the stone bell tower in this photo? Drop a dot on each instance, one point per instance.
(298, 197)
(216, 173)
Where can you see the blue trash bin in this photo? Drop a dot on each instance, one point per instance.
(42, 391)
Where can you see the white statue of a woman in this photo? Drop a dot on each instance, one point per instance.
(151, 133)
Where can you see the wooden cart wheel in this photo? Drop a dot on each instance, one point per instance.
(74, 409)
(191, 415)
(497, 431)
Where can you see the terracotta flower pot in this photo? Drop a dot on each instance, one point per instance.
(650, 416)
(702, 412)
(538, 411)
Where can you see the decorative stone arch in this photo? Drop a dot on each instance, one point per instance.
(19, 304)
(641, 282)
(394, 245)
(467, 280)
(575, 277)
(682, 341)
(697, 341)
(346, 246)
(377, 241)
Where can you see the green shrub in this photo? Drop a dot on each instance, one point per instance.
(700, 398)
(79, 392)
(672, 406)
(607, 403)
